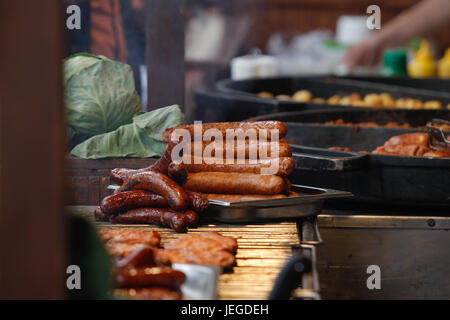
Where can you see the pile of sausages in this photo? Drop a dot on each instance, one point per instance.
(152, 195)
(139, 272)
(142, 269)
(241, 178)
(172, 192)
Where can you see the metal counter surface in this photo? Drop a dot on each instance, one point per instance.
(413, 253)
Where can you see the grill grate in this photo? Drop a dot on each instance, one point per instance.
(262, 251)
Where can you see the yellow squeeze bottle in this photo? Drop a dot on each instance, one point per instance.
(444, 65)
(423, 64)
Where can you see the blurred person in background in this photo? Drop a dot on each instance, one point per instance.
(419, 21)
(112, 28)
(214, 33)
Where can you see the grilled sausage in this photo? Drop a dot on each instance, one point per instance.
(278, 166)
(197, 201)
(163, 163)
(248, 197)
(288, 185)
(153, 293)
(249, 149)
(160, 184)
(436, 154)
(142, 256)
(235, 183)
(202, 248)
(178, 221)
(223, 126)
(242, 197)
(409, 144)
(119, 175)
(130, 236)
(124, 201)
(99, 215)
(178, 172)
(414, 138)
(121, 250)
(191, 218)
(149, 277)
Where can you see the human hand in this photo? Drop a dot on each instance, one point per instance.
(366, 53)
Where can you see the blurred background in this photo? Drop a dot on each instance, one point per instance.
(305, 37)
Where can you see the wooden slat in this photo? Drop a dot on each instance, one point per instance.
(76, 164)
(88, 179)
(262, 251)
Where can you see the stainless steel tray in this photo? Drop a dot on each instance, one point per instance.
(201, 281)
(309, 203)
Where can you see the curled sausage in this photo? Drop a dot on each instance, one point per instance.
(99, 215)
(160, 184)
(179, 221)
(191, 218)
(163, 163)
(178, 172)
(128, 200)
(149, 277)
(119, 175)
(197, 201)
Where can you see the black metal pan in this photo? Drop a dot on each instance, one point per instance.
(214, 106)
(323, 87)
(238, 100)
(372, 178)
(318, 118)
(307, 128)
(433, 84)
(380, 179)
(327, 86)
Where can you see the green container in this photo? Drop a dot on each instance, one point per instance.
(394, 63)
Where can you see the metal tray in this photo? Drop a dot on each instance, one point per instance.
(201, 281)
(309, 203)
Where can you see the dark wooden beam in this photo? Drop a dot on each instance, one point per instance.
(32, 237)
(164, 53)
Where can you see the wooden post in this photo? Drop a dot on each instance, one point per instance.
(32, 242)
(164, 53)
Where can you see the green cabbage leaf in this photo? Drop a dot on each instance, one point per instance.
(140, 139)
(99, 95)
